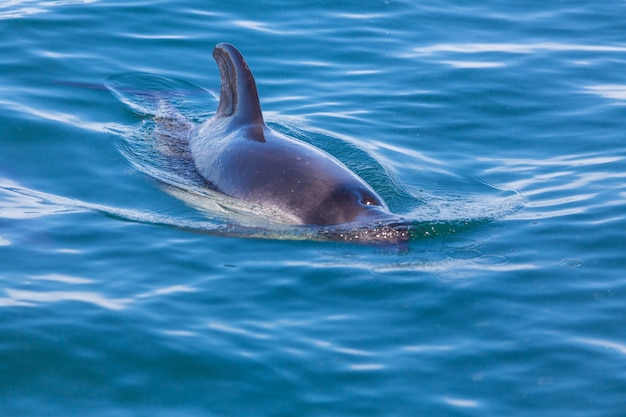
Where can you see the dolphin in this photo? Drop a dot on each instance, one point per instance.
(241, 157)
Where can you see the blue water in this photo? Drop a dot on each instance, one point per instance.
(118, 298)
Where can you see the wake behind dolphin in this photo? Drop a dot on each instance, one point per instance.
(236, 169)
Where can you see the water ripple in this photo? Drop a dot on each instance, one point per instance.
(609, 91)
(36, 297)
(21, 8)
(512, 48)
(605, 344)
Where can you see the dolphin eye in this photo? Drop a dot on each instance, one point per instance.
(368, 201)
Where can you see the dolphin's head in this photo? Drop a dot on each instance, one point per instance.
(367, 221)
(345, 203)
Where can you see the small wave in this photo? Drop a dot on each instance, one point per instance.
(21, 8)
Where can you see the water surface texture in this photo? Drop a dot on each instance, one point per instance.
(499, 126)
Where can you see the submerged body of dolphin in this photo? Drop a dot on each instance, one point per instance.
(239, 156)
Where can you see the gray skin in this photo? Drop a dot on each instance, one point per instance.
(243, 158)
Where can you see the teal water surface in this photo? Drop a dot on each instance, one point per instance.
(117, 298)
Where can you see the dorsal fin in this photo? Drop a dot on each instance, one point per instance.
(239, 99)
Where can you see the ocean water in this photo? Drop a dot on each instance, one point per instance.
(500, 126)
